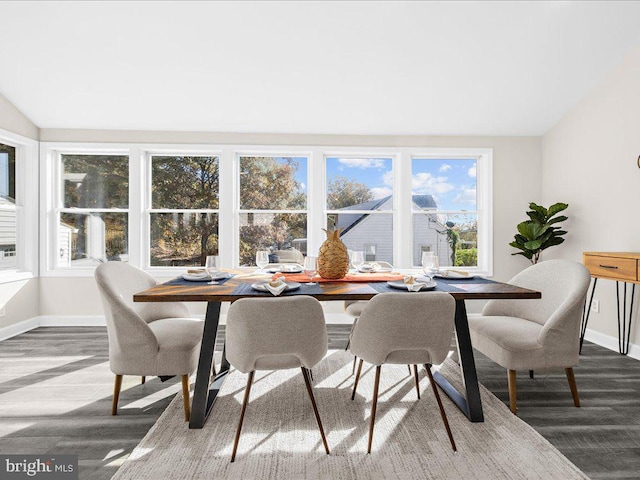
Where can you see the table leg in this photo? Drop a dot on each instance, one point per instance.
(624, 327)
(470, 402)
(586, 310)
(204, 394)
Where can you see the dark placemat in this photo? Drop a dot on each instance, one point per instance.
(246, 289)
(442, 285)
(179, 281)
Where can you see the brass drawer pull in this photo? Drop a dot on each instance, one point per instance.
(609, 266)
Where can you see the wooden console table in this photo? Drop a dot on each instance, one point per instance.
(620, 267)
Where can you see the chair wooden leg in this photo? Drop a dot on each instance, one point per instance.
(374, 405)
(247, 391)
(185, 397)
(512, 392)
(573, 386)
(353, 368)
(409, 367)
(415, 376)
(355, 384)
(443, 414)
(531, 374)
(116, 394)
(143, 379)
(307, 382)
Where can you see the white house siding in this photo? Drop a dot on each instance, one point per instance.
(374, 229)
(425, 232)
(7, 227)
(377, 229)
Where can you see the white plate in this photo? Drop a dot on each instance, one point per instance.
(192, 277)
(284, 270)
(454, 277)
(399, 284)
(261, 287)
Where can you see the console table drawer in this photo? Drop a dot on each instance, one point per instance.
(612, 267)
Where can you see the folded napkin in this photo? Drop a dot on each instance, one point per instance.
(275, 291)
(414, 287)
(454, 273)
(350, 277)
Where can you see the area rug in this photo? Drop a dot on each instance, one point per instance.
(280, 439)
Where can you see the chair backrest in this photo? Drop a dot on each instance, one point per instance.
(274, 333)
(127, 320)
(564, 285)
(406, 328)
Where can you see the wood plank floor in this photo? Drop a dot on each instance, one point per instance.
(55, 396)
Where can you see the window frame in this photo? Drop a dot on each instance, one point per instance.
(53, 203)
(484, 199)
(148, 202)
(393, 211)
(26, 207)
(237, 211)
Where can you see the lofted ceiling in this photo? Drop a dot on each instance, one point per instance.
(450, 68)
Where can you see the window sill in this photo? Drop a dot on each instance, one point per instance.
(14, 276)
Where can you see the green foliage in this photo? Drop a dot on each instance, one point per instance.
(539, 233)
(453, 237)
(467, 257)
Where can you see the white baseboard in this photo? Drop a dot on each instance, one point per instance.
(607, 341)
(51, 321)
(18, 328)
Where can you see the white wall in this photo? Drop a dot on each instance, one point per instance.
(517, 177)
(590, 161)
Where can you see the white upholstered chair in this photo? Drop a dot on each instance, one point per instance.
(276, 334)
(536, 334)
(400, 328)
(156, 339)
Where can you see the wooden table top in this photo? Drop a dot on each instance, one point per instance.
(239, 286)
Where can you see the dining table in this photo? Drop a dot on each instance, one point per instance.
(240, 284)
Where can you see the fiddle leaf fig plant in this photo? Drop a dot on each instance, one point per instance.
(540, 231)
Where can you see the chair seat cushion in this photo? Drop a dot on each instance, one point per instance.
(179, 345)
(354, 308)
(511, 342)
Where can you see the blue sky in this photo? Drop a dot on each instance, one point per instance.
(452, 182)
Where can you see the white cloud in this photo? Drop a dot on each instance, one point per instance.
(362, 162)
(381, 192)
(425, 183)
(303, 186)
(444, 167)
(472, 171)
(387, 178)
(466, 195)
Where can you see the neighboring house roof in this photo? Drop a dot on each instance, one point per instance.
(346, 221)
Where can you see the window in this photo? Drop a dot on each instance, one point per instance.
(8, 210)
(184, 210)
(445, 210)
(187, 202)
(93, 216)
(273, 208)
(359, 195)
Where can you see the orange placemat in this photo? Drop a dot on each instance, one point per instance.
(358, 277)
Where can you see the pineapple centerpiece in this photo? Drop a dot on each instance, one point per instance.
(333, 258)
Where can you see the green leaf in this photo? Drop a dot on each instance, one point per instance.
(536, 216)
(561, 218)
(538, 208)
(533, 245)
(556, 208)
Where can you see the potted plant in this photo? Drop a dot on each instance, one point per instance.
(539, 232)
